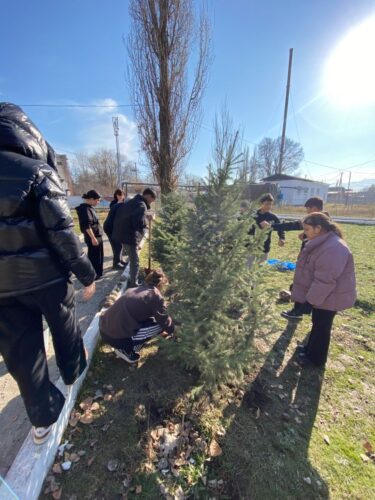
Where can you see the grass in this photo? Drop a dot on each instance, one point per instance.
(335, 209)
(287, 433)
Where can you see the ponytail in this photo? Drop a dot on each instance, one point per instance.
(327, 224)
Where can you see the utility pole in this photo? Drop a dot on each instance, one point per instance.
(347, 194)
(282, 145)
(115, 130)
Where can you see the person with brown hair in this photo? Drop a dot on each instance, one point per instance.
(325, 279)
(136, 317)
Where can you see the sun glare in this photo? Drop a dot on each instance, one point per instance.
(349, 79)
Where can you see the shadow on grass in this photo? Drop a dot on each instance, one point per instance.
(265, 452)
(139, 399)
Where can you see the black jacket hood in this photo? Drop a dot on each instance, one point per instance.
(18, 134)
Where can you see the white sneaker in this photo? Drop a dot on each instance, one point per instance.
(41, 434)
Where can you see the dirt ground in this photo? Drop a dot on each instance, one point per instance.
(14, 423)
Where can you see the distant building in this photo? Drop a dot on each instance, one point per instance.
(64, 173)
(296, 190)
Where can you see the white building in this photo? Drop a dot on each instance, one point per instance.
(296, 190)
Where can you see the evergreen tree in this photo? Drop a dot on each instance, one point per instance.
(219, 300)
(166, 234)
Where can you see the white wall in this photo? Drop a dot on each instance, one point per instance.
(296, 192)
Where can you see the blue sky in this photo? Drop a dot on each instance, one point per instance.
(72, 52)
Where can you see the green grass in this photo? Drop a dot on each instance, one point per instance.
(273, 430)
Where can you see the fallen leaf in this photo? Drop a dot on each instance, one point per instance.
(326, 439)
(74, 457)
(95, 406)
(74, 419)
(215, 449)
(138, 489)
(93, 443)
(56, 469)
(107, 397)
(87, 418)
(57, 494)
(368, 447)
(364, 457)
(90, 461)
(86, 403)
(81, 453)
(307, 480)
(257, 415)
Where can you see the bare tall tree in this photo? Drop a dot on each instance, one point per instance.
(167, 109)
(267, 154)
(99, 171)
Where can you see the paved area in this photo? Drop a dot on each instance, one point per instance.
(14, 423)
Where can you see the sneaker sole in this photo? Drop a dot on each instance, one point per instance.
(293, 318)
(124, 357)
(42, 439)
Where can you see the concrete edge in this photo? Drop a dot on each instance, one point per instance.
(29, 469)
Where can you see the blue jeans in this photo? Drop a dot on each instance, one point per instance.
(132, 252)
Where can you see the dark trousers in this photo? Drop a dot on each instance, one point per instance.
(116, 250)
(320, 336)
(22, 347)
(96, 255)
(132, 252)
(148, 330)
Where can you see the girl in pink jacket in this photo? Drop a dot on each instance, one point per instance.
(325, 279)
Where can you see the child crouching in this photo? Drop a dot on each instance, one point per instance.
(136, 317)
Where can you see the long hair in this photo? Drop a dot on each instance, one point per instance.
(327, 224)
(156, 277)
(118, 192)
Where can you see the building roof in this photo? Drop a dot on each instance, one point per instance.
(285, 177)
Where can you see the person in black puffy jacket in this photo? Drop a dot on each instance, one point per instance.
(38, 254)
(92, 230)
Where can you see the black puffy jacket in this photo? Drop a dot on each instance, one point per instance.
(127, 220)
(37, 244)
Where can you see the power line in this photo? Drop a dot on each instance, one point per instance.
(78, 105)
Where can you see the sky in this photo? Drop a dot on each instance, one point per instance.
(73, 52)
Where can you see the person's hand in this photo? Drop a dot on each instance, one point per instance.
(264, 224)
(281, 243)
(301, 236)
(89, 291)
(95, 242)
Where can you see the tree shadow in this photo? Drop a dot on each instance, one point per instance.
(265, 451)
(133, 401)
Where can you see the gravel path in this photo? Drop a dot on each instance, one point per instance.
(14, 423)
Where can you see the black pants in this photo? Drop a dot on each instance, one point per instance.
(320, 336)
(22, 347)
(96, 255)
(148, 330)
(116, 250)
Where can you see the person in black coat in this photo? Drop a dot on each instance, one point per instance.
(128, 221)
(38, 253)
(118, 197)
(262, 215)
(92, 231)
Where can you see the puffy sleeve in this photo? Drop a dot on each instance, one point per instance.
(57, 225)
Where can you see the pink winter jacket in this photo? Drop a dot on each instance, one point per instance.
(324, 275)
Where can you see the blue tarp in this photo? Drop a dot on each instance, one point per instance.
(282, 265)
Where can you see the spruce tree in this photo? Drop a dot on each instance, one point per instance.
(167, 231)
(220, 301)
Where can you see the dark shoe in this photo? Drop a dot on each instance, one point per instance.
(123, 262)
(118, 267)
(293, 314)
(129, 357)
(305, 362)
(99, 277)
